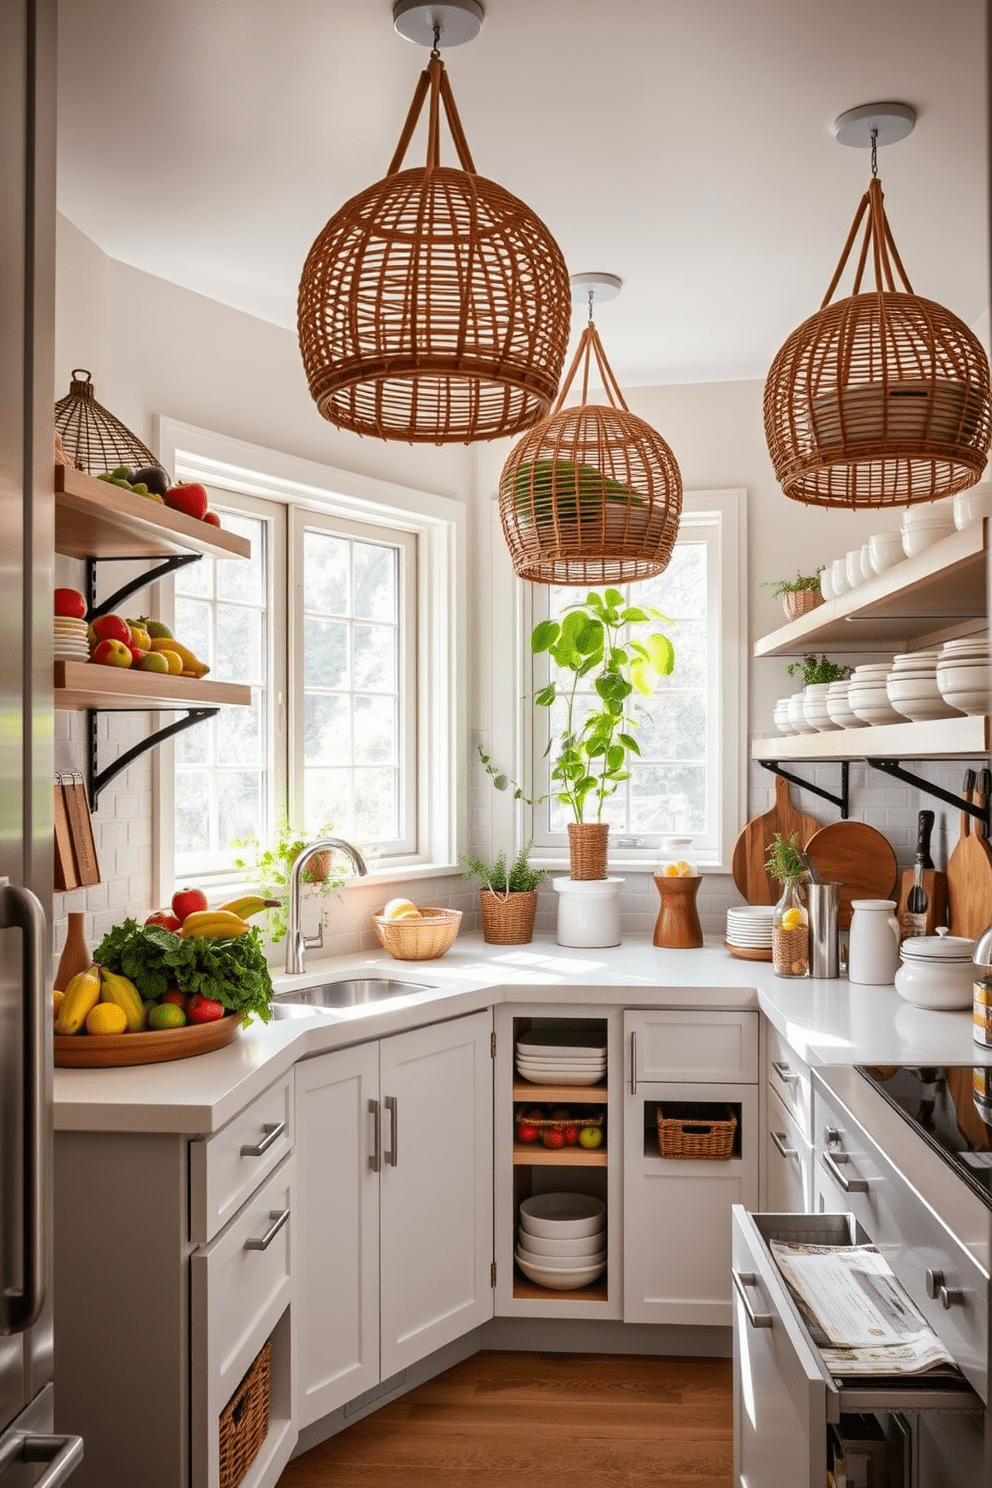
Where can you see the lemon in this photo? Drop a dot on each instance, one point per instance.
(682, 869)
(57, 1000)
(670, 870)
(166, 1015)
(400, 909)
(793, 919)
(106, 1017)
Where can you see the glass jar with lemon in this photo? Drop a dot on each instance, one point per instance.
(790, 921)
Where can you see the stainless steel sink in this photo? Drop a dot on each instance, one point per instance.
(348, 992)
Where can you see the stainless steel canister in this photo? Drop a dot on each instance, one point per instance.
(821, 899)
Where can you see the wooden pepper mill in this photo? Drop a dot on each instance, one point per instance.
(677, 882)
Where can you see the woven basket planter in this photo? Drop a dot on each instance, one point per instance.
(881, 399)
(588, 849)
(800, 601)
(434, 306)
(508, 919)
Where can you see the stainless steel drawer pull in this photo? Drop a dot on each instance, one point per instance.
(375, 1156)
(62, 1454)
(273, 1131)
(785, 1074)
(832, 1161)
(947, 1296)
(780, 1142)
(391, 1156)
(742, 1280)
(280, 1216)
(633, 1064)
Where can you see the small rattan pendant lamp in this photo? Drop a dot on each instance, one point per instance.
(592, 494)
(434, 306)
(881, 399)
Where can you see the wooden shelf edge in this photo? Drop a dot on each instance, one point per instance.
(533, 1155)
(84, 684)
(542, 1095)
(528, 1291)
(964, 736)
(96, 519)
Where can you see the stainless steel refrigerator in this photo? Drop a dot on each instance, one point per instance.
(29, 1451)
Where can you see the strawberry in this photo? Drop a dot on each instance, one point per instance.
(188, 497)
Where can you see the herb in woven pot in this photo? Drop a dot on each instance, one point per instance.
(817, 669)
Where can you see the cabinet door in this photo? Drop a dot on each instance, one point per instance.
(436, 1197)
(337, 1313)
(691, 1045)
(788, 1162)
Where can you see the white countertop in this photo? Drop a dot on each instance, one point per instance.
(826, 1022)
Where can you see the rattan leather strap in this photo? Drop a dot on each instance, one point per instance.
(878, 237)
(433, 80)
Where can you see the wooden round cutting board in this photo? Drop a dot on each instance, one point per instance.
(859, 858)
(108, 1050)
(751, 848)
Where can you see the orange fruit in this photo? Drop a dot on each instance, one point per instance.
(106, 1017)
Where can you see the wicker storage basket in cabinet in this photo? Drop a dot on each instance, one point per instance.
(244, 1421)
(696, 1132)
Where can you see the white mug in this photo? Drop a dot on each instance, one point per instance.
(873, 950)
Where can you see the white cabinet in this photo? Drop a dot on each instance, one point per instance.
(700, 1067)
(788, 1152)
(394, 1145)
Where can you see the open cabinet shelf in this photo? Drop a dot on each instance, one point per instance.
(96, 519)
(86, 684)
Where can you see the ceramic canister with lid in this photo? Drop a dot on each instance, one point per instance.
(873, 950)
(937, 971)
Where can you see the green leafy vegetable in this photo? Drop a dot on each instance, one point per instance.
(235, 971)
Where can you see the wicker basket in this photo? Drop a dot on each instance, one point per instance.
(418, 939)
(693, 1133)
(557, 1123)
(94, 439)
(588, 850)
(244, 1421)
(800, 601)
(508, 919)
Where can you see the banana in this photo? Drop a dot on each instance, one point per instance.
(81, 997)
(124, 993)
(251, 904)
(213, 924)
(191, 662)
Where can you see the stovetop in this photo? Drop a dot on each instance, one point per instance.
(951, 1107)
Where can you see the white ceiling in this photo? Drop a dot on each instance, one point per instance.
(685, 145)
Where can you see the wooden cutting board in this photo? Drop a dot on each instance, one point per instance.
(751, 848)
(66, 875)
(859, 858)
(81, 830)
(969, 872)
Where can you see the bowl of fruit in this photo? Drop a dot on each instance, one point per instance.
(412, 934)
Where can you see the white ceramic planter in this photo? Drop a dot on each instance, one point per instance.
(588, 911)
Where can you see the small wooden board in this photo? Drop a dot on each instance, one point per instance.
(110, 1050)
(969, 873)
(751, 849)
(857, 856)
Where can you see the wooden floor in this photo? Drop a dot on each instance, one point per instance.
(526, 1420)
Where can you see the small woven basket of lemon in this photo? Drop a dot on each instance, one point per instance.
(790, 919)
(412, 934)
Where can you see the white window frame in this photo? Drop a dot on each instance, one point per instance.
(440, 526)
(511, 735)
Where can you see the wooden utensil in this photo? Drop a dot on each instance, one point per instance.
(925, 919)
(969, 869)
(66, 876)
(81, 830)
(751, 848)
(856, 856)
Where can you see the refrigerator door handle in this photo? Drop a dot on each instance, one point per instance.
(19, 1306)
(62, 1453)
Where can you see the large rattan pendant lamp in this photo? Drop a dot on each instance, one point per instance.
(434, 306)
(881, 399)
(592, 494)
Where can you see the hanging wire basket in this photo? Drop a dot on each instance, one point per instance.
(592, 494)
(881, 399)
(434, 306)
(93, 439)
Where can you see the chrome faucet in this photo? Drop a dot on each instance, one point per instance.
(297, 944)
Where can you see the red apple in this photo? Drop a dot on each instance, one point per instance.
(165, 919)
(553, 1137)
(71, 603)
(202, 1009)
(212, 518)
(174, 995)
(109, 628)
(188, 901)
(526, 1133)
(137, 655)
(188, 497)
(111, 653)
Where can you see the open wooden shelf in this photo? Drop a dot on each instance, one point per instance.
(543, 1095)
(529, 1291)
(86, 684)
(534, 1155)
(908, 741)
(96, 519)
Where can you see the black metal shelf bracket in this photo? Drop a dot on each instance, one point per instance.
(843, 800)
(895, 769)
(98, 779)
(110, 605)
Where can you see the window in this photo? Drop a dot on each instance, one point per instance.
(346, 624)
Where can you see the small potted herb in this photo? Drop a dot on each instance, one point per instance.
(809, 707)
(798, 595)
(817, 671)
(508, 896)
(270, 868)
(790, 921)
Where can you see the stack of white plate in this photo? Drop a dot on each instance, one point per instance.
(561, 1241)
(749, 927)
(963, 674)
(561, 1056)
(71, 643)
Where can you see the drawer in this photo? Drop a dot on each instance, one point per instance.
(788, 1076)
(691, 1047)
(227, 1167)
(788, 1161)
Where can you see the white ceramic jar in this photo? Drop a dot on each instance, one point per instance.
(873, 949)
(937, 971)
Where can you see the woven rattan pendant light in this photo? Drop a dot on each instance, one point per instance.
(93, 439)
(881, 399)
(592, 494)
(434, 306)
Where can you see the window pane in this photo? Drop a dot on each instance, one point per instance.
(242, 580)
(375, 658)
(376, 594)
(326, 729)
(325, 573)
(325, 654)
(239, 644)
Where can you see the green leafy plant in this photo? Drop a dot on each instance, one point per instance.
(565, 489)
(786, 860)
(233, 971)
(271, 867)
(519, 878)
(815, 669)
(794, 586)
(597, 643)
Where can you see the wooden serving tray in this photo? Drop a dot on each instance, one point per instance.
(749, 953)
(107, 1050)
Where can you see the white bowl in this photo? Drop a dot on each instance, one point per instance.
(929, 513)
(780, 717)
(815, 707)
(797, 715)
(885, 551)
(826, 584)
(560, 1281)
(593, 1255)
(872, 706)
(971, 506)
(567, 1215)
(918, 538)
(853, 568)
(838, 576)
(552, 1246)
(839, 706)
(974, 703)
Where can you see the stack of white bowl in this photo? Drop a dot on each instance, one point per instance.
(781, 716)
(971, 506)
(561, 1056)
(912, 687)
(561, 1240)
(867, 694)
(926, 523)
(749, 926)
(885, 550)
(815, 707)
(963, 674)
(839, 706)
